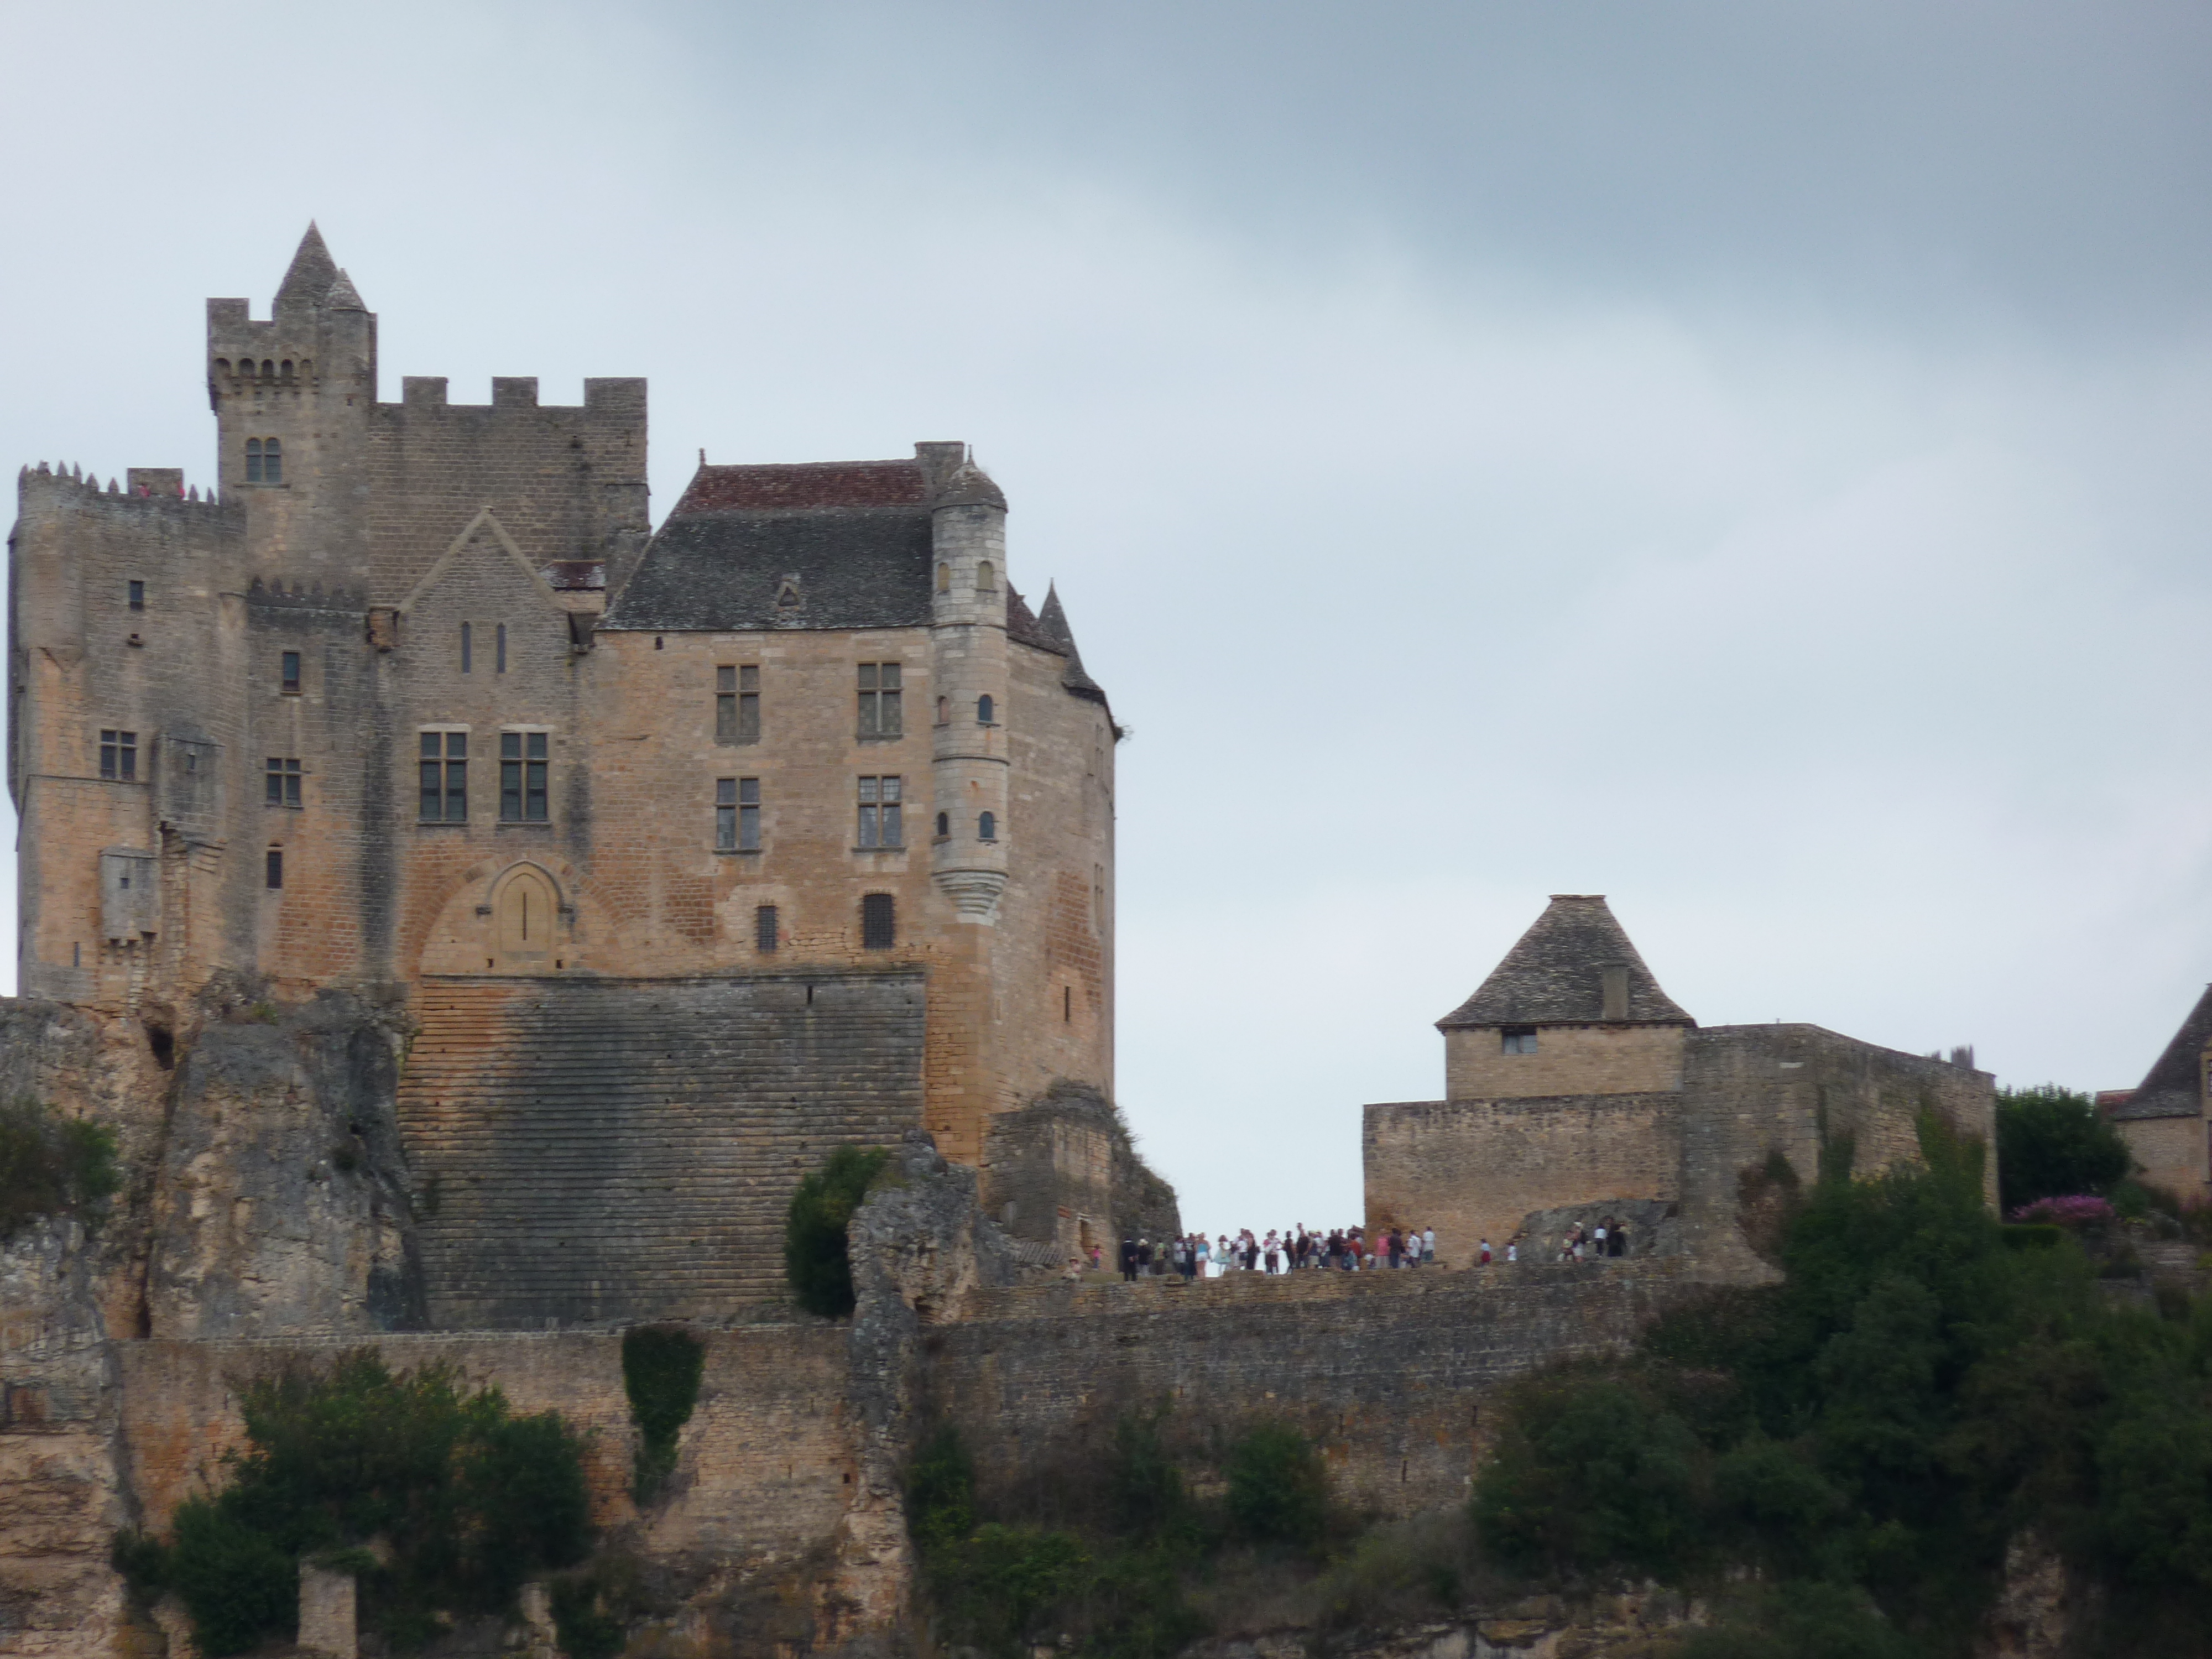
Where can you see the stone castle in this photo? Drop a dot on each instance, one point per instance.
(473, 910)
(798, 793)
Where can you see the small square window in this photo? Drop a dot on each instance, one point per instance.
(280, 781)
(1518, 1040)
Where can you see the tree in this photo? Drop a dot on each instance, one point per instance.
(2052, 1141)
(816, 1260)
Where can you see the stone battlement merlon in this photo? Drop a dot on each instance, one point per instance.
(619, 398)
(51, 485)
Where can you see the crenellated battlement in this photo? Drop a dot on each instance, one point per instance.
(48, 483)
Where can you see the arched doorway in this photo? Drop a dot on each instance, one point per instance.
(523, 914)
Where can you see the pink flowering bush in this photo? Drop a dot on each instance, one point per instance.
(2075, 1210)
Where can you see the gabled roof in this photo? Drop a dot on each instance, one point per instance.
(2170, 1088)
(1555, 975)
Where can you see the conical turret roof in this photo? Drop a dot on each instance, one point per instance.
(1555, 975)
(1052, 621)
(311, 275)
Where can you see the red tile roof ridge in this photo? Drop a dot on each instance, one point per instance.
(785, 486)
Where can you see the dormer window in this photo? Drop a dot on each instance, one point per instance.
(265, 460)
(1518, 1040)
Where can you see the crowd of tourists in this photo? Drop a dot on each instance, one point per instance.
(1294, 1249)
(1342, 1250)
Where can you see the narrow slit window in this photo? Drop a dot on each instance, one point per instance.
(764, 927)
(444, 777)
(119, 756)
(498, 647)
(944, 579)
(986, 579)
(280, 781)
(987, 827)
(880, 699)
(272, 461)
(944, 711)
(468, 642)
(878, 922)
(523, 760)
(288, 669)
(987, 712)
(881, 809)
(137, 595)
(1066, 1005)
(944, 826)
(272, 870)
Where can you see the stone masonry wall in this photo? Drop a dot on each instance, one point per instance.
(589, 1150)
(1390, 1371)
(1751, 1090)
(1570, 1059)
(2170, 1151)
(1473, 1169)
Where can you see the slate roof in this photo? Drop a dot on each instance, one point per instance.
(1554, 976)
(2170, 1088)
(311, 275)
(819, 545)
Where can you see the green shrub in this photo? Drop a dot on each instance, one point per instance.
(588, 1627)
(1278, 1489)
(2031, 1235)
(51, 1165)
(816, 1260)
(2052, 1141)
(240, 1585)
(1144, 1493)
(661, 1368)
(471, 1499)
(1591, 1471)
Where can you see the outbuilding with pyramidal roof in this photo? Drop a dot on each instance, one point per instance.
(1571, 1009)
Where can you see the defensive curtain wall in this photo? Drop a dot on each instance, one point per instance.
(782, 1528)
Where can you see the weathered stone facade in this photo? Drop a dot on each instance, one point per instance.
(1573, 1081)
(417, 702)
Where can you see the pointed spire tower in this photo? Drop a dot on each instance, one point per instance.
(1053, 622)
(1571, 1009)
(294, 398)
(310, 276)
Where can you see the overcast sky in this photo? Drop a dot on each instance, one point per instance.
(1749, 460)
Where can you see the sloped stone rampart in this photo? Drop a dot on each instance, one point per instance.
(596, 1151)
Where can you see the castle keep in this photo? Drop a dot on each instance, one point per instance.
(692, 854)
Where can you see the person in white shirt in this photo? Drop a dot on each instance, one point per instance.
(1428, 1246)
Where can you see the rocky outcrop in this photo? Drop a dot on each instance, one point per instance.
(280, 1203)
(920, 1247)
(62, 1490)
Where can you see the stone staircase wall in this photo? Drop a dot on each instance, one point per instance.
(596, 1151)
